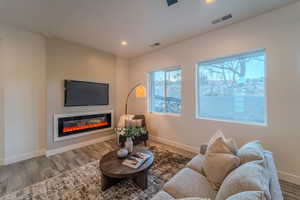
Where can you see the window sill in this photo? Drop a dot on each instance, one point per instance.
(165, 114)
(234, 122)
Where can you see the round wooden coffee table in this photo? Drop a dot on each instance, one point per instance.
(113, 171)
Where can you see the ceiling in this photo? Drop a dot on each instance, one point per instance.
(103, 24)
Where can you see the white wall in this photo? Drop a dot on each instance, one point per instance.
(1, 105)
(279, 33)
(66, 60)
(121, 86)
(32, 67)
(24, 96)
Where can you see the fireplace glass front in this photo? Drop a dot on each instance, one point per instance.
(80, 124)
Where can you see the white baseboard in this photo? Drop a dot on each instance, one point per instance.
(26, 156)
(289, 177)
(175, 144)
(21, 157)
(78, 145)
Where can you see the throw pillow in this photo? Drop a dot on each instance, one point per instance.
(250, 152)
(251, 176)
(133, 123)
(121, 123)
(249, 195)
(219, 144)
(216, 166)
(232, 145)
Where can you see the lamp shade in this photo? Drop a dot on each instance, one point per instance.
(140, 92)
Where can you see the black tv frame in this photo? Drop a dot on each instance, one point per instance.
(66, 92)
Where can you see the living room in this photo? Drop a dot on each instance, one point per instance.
(184, 82)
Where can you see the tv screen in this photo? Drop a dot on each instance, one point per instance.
(80, 93)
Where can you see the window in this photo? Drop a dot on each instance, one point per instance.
(165, 91)
(233, 88)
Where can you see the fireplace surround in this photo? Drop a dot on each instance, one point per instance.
(73, 125)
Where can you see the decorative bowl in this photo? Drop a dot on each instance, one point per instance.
(122, 153)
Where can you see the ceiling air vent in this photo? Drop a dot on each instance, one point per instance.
(156, 44)
(171, 2)
(222, 19)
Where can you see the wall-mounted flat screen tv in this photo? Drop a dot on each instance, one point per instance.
(80, 93)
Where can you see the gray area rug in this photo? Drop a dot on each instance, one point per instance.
(84, 182)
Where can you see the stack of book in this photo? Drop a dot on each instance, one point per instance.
(136, 160)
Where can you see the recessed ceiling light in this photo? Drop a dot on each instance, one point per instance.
(209, 1)
(124, 43)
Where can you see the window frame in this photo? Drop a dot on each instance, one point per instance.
(197, 88)
(149, 82)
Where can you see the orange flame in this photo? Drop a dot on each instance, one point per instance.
(76, 128)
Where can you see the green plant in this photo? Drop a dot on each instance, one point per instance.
(131, 132)
(142, 131)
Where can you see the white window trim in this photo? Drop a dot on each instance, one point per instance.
(150, 90)
(166, 114)
(233, 122)
(265, 124)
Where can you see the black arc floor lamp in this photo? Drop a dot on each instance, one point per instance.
(140, 92)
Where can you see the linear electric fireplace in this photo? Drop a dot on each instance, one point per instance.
(74, 125)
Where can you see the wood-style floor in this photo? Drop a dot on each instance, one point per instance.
(19, 175)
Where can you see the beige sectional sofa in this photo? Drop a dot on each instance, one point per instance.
(191, 182)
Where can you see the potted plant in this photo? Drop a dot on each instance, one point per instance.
(142, 135)
(134, 134)
(129, 134)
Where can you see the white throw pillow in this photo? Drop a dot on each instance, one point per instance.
(220, 159)
(133, 123)
(249, 195)
(217, 166)
(232, 145)
(219, 144)
(250, 152)
(121, 123)
(251, 176)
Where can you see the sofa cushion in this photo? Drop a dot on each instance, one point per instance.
(219, 144)
(249, 195)
(217, 166)
(189, 183)
(162, 195)
(196, 163)
(251, 176)
(250, 152)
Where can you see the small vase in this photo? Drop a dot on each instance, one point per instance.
(129, 145)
